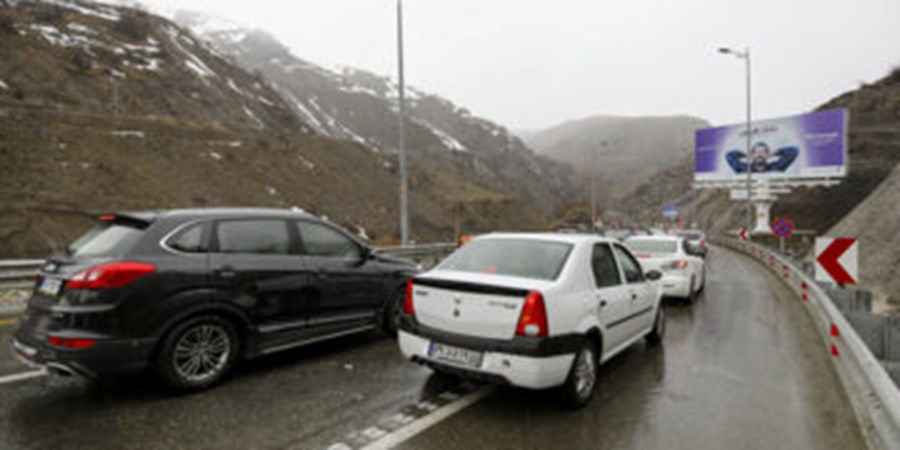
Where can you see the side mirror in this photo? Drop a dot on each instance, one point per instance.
(653, 275)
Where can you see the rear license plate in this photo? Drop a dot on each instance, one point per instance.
(455, 355)
(50, 287)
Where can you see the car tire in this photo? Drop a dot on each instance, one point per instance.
(392, 311)
(581, 382)
(702, 277)
(198, 353)
(658, 332)
(692, 292)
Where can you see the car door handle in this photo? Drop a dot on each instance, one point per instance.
(225, 272)
(633, 296)
(603, 303)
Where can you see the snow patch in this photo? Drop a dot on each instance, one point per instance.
(128, 133)
(3, 85)
(272, 191)
(448, 141)
(250, 114)
(102, 13)
(361, 232)
(215, 156)
(79, 28)
(307, 163)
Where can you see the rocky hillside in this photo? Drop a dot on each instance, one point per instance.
(105, 108)
(444, 140)
(622, 151)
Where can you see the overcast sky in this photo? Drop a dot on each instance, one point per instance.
(530, 64)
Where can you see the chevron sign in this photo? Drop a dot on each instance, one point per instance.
(837, 260)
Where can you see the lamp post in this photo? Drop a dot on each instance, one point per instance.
(404, 199)
(745, 55)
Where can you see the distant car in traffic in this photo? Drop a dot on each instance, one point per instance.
(683, 269)
(695, 238)
(531, 310)
(189, 293)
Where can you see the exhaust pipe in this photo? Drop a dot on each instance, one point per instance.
(59, 369)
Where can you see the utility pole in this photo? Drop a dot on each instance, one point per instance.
(751, 211)
(404, 195)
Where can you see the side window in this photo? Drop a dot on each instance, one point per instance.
(267, 237)
(604, 266)
(189, 240)
(320, 240)
(632, 269)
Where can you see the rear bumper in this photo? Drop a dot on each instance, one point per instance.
(676, 286)
(533, 372)
(107, 355)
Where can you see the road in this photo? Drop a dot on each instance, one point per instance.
(743, 368)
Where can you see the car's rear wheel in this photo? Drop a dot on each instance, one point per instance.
(198, 353)
(692, 291)
(392, 311)
(582, 380)
(658, 332)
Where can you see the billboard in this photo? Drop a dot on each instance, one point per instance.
(800, 147)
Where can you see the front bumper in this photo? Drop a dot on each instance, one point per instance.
(533, 372)
(107, 355)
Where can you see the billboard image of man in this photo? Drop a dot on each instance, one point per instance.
(762, 159)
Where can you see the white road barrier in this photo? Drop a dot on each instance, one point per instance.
(874, 396)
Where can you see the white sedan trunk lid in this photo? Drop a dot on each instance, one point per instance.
(481, 305)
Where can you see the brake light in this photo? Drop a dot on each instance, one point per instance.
(408, 302)
(110, 275)
(533, 320)
(676, 265)
(702, 243)
(71, 343)
(107, 218)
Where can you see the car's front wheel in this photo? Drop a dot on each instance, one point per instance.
(582, 380)
(198, 353)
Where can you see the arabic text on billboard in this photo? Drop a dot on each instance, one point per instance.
(807, 146)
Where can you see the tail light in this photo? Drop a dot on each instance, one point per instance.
(408, 302)
(533, 320)
(681, 264)
(71, 343)
(110, 275)
(702, 243)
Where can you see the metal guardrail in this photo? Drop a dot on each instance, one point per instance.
(874, 396)
(19, 273)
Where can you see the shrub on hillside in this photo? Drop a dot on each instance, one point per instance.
(133, 25)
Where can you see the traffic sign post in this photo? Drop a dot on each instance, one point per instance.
(837, 260)
(783, 228)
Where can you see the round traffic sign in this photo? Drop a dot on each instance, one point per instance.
(782, 227)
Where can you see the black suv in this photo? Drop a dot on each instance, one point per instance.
(188, 293)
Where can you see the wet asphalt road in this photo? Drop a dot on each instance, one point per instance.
(741, 368)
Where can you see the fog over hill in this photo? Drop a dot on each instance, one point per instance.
(621, 151)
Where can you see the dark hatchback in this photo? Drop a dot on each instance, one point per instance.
(188, 293)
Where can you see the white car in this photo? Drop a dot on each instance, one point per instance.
(531, 310)
(684, 272)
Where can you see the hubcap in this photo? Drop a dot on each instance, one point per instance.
(585, 373)
(202, 352)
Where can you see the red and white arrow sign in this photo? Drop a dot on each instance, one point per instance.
(837, 260)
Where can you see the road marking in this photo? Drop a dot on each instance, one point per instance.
(22, 376)
(4, 322)
(401, 435)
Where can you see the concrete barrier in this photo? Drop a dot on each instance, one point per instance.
(871, 389)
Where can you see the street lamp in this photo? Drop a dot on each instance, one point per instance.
(745, 55)
(404, 199)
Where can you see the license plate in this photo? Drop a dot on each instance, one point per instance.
(50, 287)
(455, 355)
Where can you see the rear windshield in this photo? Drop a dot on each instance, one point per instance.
(542, 260)
(651, 246)
(104, 240)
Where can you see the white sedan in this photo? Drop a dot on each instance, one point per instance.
(684, 271)
(531, 310)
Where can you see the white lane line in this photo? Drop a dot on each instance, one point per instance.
(22, 376)
(401, 435)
